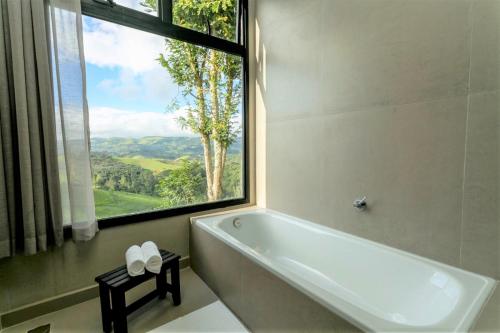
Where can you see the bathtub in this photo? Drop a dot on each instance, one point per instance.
(370, 285)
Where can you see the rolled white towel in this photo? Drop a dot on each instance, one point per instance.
(135, 260)
(152, 257)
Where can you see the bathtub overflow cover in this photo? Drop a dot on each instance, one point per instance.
(237, 223)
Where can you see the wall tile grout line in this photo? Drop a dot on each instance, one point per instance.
(357, 109)
(471, 36)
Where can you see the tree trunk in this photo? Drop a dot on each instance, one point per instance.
(220, 156)
(202, 129)
(213, 81)
(207, 153)
(214, 89)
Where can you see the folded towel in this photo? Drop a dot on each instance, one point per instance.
(152, 257)
(135, 260)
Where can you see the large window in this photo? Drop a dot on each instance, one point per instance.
(167, 96)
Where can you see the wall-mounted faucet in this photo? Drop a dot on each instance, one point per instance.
(360, 203)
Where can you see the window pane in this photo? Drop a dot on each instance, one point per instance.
(159, 137)
(145, 6)
(215, 17)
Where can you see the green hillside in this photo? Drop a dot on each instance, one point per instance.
(152, 164)
(132, 175)
(114, 203)
(158, 147)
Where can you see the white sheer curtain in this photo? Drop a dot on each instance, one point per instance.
(72, 122)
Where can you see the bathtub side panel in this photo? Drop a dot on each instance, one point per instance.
(217, 265)
(263, 302)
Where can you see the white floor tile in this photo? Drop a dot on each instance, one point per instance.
(215, 317)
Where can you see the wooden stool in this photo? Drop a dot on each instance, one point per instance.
(117, 282)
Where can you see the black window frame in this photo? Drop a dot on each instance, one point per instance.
(162, 25)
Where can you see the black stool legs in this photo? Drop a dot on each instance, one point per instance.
(114, 309)
(119, 311)
(105, 308)
(176, 285)
(161, 283)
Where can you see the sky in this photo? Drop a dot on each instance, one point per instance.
(127, 90)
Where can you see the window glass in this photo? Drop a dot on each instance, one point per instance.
(165, 121)
(144, 6)
(215, 17)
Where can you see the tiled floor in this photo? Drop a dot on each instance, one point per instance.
(86, 316)
(214, 318)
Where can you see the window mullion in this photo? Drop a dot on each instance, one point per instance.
(137, 20)
(239, 26)
(165, 10)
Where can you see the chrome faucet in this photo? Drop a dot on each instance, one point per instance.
(360, 204)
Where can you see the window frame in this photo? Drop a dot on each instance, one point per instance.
(162, 25)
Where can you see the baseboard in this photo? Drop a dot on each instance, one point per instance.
(48, 305)
(56, 303)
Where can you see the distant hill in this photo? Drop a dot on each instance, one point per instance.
(160, 147)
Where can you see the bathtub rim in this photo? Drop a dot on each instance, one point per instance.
(209, 223)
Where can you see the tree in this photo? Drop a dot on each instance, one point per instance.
(183, 186)
(231, 184)
(210, 81)
(113, 175)
(124, 183)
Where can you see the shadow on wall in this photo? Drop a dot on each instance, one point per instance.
(260, 116)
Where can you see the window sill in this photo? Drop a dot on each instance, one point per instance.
(160, 214)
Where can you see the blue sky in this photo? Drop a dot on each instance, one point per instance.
(127, 90)
(103, 89)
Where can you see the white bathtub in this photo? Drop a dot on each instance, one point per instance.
(375, 287)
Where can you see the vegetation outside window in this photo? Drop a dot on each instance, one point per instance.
(217, 17)
(137, 5)
(167, 107)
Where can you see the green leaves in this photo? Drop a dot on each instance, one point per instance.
(195, 69)
(112, 175)
(185, 185)
(192, 68)
(210, 81)
(214, 17)
(151, 4)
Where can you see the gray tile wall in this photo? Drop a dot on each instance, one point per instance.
(395, 100)
(28, 279)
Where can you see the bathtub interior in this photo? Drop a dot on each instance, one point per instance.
(390, 285)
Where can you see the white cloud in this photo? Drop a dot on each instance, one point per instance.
(126, 86)
(109, 122)
(134, 54)
(111, 45)
(159, 85)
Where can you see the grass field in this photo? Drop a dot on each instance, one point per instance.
(113, 203)
(152, 164)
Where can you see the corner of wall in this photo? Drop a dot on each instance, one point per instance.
(257, 105)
